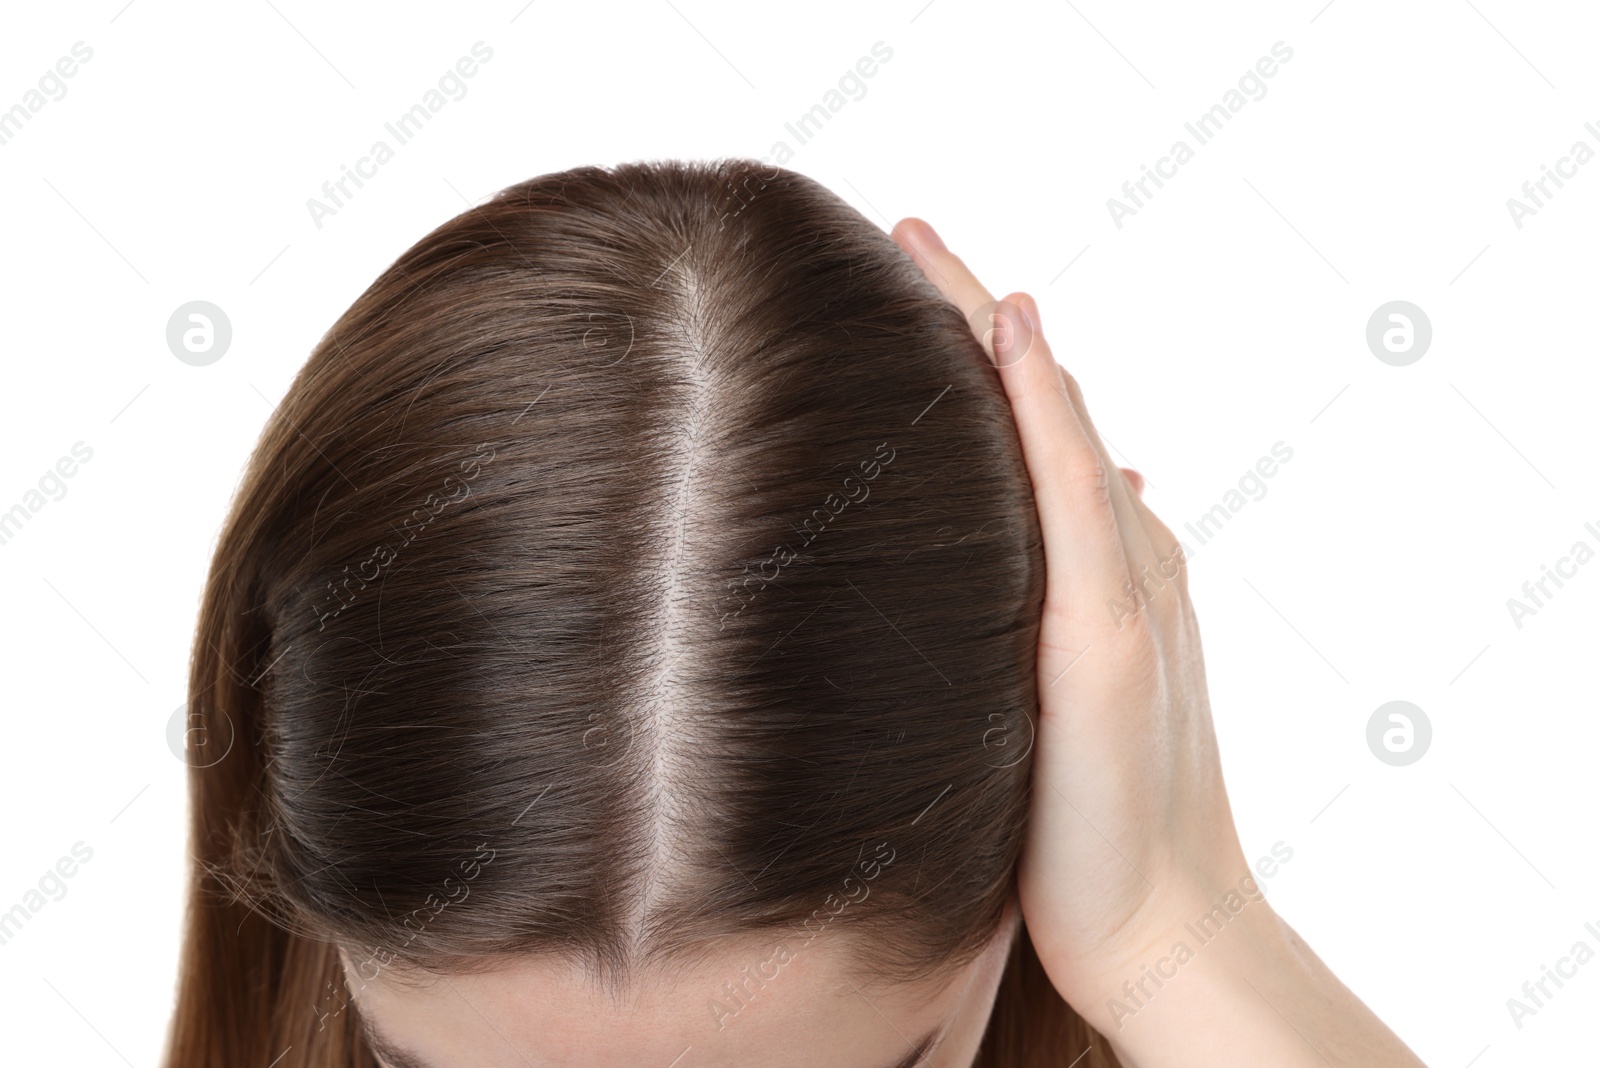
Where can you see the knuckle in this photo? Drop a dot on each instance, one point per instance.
(1085, 471)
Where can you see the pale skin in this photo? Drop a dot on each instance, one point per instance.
(1131, 837)
(811, 1013)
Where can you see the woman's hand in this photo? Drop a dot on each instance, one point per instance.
(1130, 836)
(1130, 825)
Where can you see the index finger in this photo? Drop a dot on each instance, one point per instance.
(1084, 532)
(945, 270)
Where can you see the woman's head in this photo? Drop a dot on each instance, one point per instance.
(628, 621)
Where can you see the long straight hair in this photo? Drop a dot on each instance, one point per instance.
(646, 556)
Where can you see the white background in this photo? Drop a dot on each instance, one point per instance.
(1227, 315)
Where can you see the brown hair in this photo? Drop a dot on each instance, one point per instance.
(646, 556)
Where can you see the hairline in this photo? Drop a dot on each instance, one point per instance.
(395, 1057)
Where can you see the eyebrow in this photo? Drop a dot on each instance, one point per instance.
(910, 1060)
(398, 1058)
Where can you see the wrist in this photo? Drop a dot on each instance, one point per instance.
(1182, 948)
(1248, 991)
(1217, 993)
(1206, 993)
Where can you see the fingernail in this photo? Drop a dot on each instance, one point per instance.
(1030, 311)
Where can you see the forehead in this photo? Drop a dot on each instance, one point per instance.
(784, 1004)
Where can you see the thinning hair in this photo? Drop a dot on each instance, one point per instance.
(645, 557)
